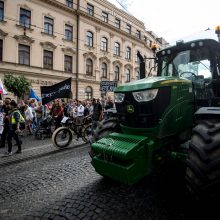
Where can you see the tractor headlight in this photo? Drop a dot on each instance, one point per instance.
(145, 96)
(119, 97)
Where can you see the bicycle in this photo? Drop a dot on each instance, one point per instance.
(63, 136)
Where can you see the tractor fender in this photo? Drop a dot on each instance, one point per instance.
(207, 112)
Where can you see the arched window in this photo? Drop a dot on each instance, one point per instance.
(117, 72)
(104, 44)
(128, 53)
(117, 49)
(89, 67)
(89, 38)
(127, 75)
(104, 70)
(88, 92)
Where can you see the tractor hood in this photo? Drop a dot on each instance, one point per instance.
(151, 82)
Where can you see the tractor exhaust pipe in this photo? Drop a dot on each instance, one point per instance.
(142, 65)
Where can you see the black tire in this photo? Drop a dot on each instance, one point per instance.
(105, 128)
(62, 133)
(203, 163)
(87, 132)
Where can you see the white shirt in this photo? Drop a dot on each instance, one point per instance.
(80, 110)
(28, 114)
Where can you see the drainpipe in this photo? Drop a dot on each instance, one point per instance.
(77, 50)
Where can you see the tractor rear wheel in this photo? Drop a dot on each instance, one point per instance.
(203, 163)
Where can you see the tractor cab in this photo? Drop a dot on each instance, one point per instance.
(198, 61)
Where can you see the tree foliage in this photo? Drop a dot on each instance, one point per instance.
(16, 85)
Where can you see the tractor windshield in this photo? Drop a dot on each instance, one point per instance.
(188, 64)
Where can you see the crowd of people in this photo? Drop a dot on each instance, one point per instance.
(28, 115)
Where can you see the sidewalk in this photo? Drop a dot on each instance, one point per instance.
(33, 148)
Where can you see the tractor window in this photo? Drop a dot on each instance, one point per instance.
(187, 63)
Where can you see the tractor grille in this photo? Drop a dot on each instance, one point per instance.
(146, 114)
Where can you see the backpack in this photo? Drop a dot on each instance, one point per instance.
(21, 120)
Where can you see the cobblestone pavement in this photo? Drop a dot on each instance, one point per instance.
(65, 186)
(32, 148)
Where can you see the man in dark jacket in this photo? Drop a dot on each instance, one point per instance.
(14, 130)
(97, 114)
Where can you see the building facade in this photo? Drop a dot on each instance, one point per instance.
(88, 40)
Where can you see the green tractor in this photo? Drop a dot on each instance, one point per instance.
(158, 117)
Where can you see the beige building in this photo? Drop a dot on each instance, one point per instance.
(89, 40)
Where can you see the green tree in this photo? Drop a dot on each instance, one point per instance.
(17, 85)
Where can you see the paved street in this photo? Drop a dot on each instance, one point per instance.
(64, 185)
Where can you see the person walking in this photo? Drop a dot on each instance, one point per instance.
(97, 114)
(28, 118)
(6, 110)
(15, 118)
(80, 117)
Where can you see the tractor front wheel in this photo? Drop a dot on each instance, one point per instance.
(203, 163)
(105, 128)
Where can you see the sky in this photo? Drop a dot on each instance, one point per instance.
(175, 20)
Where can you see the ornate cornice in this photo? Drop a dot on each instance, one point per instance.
(25, 6)
(104, 59)
(24, 39)
(2, 33)
(117, 62)
(128, 65)
(68, 50)
(90, 54)
(48, 45)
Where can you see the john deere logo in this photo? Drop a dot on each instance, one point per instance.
(130, 108)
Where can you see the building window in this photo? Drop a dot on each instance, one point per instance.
(48, 25)
(104, 44)
(138, 34)
(69, 3)
(89, 38)
(128, 28)
(1, 10)
(117, 23)
(105, 17)
(104, 70)
(68, 61)
(117, 49)
(48, 59)
(127, 75)
(90, 9)
(24, 54)
(1, 50)
(88, 93)
(89, 67)
(117, 72)
(25, 18)
(128, 53)
(68, 32)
